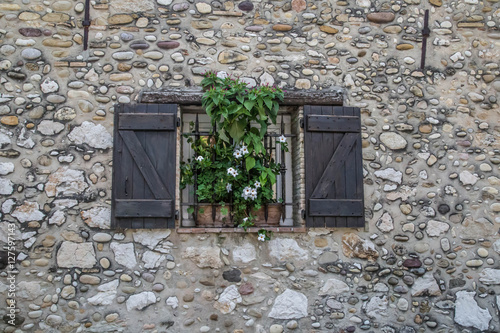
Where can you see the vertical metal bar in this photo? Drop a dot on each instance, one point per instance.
(86, 25)
(195, 184)
(283, 171)
(214, 129)
(425, 33)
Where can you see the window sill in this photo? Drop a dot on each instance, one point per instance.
(240, 230)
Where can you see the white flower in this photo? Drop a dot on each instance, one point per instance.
(282, 139)
(261, 237)
(233, 172)
(229, 187)
(244, 150)
(237, 154)
(200, 158)
(245, 219)
(257, 184)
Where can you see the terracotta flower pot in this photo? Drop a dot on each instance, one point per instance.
(206, 219)
(273, 215)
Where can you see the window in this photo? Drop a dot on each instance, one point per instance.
(323, 183)
(285, 188)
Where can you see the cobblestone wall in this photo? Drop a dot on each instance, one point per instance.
(429, 258)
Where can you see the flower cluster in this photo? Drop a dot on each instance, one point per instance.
(239, 153)
(233, 172)
(249, 192)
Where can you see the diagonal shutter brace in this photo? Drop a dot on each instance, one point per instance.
(86, 25)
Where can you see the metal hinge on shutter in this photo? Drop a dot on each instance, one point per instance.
(301, 122)
(178, 122)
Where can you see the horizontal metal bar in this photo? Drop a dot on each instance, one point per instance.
(267, 135)
(228, 205)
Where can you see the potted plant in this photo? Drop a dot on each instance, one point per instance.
(232, 168)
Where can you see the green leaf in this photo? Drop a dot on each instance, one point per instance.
(272, 177)
(237, 129)
(250, 162)
(269, 103)
(190, 210)
(249, 104)
(201, 211)
(223, 211)
(223, 136)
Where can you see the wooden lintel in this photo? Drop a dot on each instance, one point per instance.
(186, 96)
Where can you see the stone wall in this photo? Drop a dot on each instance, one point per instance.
(428, 259)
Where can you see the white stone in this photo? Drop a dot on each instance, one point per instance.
(468, 313)
(393, 140)
(6, 186)
(97, 217)
(152, 259)
(49, 86)
(123, 55)
(27, 212)
(490, 276)
(244, 254)
(249, 81)
(6, 232)
(390, 174)
(203, 7)
(204, 256)
(266, 79)
(467, 178)
(435, 228)
(140, 301)
(425, 286)
(286, 249)
(6, 168)
(173, 302)
(150, 238)
(385, 223)
(376, 307)
(333, 287)
(106, 293)
(91, 134)
(164, 2)
(66, 182)
(81, 255)
(57, 218)
(124, 254)
(289, 305)
(496, 246)
(228, 299)
(30, 290)
(49, 127)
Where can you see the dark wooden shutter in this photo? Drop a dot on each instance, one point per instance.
(334, 169)
(144, 172)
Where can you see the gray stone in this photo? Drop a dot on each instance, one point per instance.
(468, 313)
(286, 249)
(244, 254)
(425, 286)
(140, 301)
(49, 127)
(393, 140)
(390, 174)
(333, 287)
(124, 254)
(97, 217)
(81, 255)
(106, 293)
(31, 53)
(289, 305)
(204, 257)
(91, 134)
(228, 300)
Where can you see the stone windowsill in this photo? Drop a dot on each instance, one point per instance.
(188, 230)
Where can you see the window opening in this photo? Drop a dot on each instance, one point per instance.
(196, 124)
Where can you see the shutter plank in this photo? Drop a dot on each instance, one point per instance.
(334, 178)
(145, 201)
(144, 163)
(142, 208)
(146, 121)
(335, 207)
(327, 123)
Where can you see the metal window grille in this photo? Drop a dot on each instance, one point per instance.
(283, 188)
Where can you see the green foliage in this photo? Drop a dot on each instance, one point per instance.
(232, 164)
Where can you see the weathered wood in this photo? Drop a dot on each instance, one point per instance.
(144, 163)
(187, 96)
(331, 172)
(146, 121)
(333, 123)
(335, 207)
(334, 170)
(143, 208)
(144, 166)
